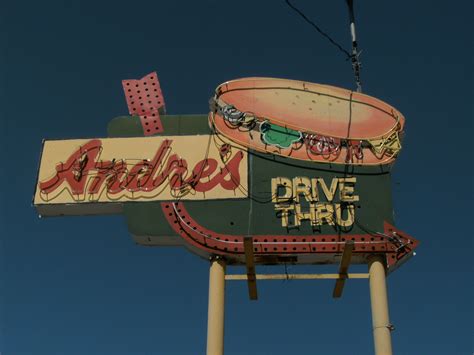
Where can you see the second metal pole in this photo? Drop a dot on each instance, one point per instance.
(215, 321)
(378, 299)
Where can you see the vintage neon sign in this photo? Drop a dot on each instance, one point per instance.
(296, 208)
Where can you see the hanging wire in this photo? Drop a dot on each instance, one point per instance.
(354, 54)
(324, 34)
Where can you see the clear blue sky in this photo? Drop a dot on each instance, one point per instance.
(81, 286)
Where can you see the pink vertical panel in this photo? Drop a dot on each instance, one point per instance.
(144, 98)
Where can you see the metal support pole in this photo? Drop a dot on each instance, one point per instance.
(378, 298)
(215, 320)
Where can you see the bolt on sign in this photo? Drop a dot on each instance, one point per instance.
(302, 168)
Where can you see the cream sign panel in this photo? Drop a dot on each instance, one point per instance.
(139, 169)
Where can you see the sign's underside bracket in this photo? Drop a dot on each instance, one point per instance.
(251, 277)
(343, 268)
(250, 265)
(237, 277)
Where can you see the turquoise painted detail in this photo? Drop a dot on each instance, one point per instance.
(279, 136)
